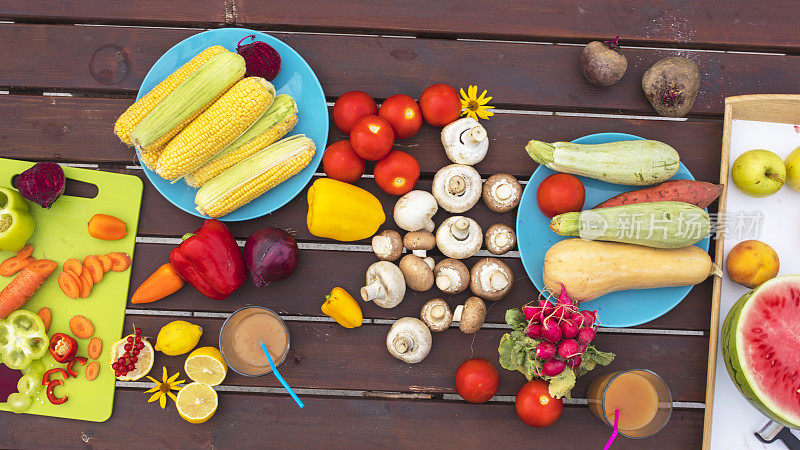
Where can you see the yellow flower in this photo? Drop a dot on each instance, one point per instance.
(164, 388)
(474, 106)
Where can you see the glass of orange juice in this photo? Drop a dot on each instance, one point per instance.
(642, 398)
(241, 336)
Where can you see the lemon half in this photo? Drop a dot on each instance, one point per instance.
(197, 402)
(205, 365)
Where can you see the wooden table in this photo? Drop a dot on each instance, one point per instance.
(70, 67)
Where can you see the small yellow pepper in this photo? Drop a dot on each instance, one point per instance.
(341, 211)
(343, 308)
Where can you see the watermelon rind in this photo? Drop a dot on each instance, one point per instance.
(730, 353)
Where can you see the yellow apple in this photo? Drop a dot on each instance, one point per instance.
(793, 169)
(751, 263)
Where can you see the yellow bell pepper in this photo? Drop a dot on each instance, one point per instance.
(343, 308)
(341, 211)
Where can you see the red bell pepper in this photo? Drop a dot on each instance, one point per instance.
(51, 395)
(78, 359)
(210, 260)
(63, 347)
(46, 377)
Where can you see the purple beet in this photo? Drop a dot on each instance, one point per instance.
(545, 350)
(43, 183)
(261, 60)
(8, 382)
(553, 367)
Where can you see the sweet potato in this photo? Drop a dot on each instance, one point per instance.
(698, 193)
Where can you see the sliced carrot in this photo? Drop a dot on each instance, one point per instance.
(92, 370)
(86, 284)
(25, 251)
(95, 268)
(119, 261)
(46, 316)
(81, 327)
(74, 266)
(13, 265)
(24, 286)
(95, 347)
(70, 286)
(106, 261)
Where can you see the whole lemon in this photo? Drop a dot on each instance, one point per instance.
(178, 337)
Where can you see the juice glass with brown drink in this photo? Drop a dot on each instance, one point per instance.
(241, 336)
(642, 398)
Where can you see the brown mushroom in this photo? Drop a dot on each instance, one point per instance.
(502, 192)
(470, 315)
(387, 245)
(491, 279)
(437, 315)
(452, 276)
(419, 242)
(500, 239)
(417, 273)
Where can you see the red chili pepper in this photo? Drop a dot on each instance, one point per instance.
(79, 359)
(51, 395)
(210, 260)
(46, 379)
(63, 347)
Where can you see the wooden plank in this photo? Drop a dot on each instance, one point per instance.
(250, 420)
(176, 12)
(328, 356)
(319, 271)
(533, 76)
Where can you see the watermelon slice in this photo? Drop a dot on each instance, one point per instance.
(761, 348)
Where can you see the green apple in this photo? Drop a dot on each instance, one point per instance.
(759, 173)
(793, 169)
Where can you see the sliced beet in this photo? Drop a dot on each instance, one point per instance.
(8, 381)
(43, 183)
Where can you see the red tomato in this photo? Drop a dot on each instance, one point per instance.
(341, 162)
(535, 407)
(560, 193)
(350, 107)
(476, 380)
(440, 105)
(397, 173)
(403, 114)
(372, 137)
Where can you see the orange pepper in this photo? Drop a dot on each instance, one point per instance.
(163, 282)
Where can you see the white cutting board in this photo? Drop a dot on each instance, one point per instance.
(778, 220)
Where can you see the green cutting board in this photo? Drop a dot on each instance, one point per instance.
(61, 233)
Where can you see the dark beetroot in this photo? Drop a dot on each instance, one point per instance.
(43, 183)
(260, 58)
(8, 382)
(270, 255)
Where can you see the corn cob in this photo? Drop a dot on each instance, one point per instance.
(128, 120)
(254, 176)
(278, 120)
(149, 159)
(197, 92)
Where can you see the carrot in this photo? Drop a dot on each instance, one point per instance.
(74, 266)
(92, 370)
(698, 193)
(24, 285)
(25, 251)
(95, 347)
(81, 327)
(47, 318)
(107, 228)
(86, 284)
(119, 261)
(163, 282)
(106, 261)
(95, 268)
(13, 265)
(69, 284)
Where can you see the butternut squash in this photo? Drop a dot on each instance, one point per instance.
(590, 269)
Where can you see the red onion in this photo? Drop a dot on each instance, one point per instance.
(43, 183)
(270, 255)
(261, 60)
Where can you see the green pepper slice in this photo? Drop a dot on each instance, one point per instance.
(22, 339)
(16, 222)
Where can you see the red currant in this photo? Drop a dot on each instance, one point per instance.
(139, 345)
(133, 359)
(131, 367)
(130, 339)
(128, 347)
(137, 331)
(117, 373)
(135, 352)
(115, 366)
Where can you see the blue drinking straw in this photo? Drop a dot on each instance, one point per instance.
(280, 378)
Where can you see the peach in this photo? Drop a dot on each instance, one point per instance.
(751, 263)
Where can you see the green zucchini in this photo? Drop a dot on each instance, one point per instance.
(655, 224)
(633, 163)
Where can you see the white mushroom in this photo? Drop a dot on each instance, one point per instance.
(385, 285)
(417, 273)
(457, 187)
(419, 242)
(437, 315)
(459, 237)
(471, 315)
(409, 340)
(491, 279)
(452, 276)
(502, 192)
(414, 210)
(388, 245)
(500, 239)
(465, 141)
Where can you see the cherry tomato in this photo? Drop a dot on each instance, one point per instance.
(535, 407)
(477, 380)
(560, 193)
(372, 137)
(341, 162)
(403, 114)
(397, 173)
(440, 105)
(350, 107)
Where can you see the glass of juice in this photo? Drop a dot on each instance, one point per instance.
(241, 336)
(642, 398)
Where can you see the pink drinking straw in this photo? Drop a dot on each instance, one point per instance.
(615, 432)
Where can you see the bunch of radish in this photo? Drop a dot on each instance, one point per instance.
(564, 331)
